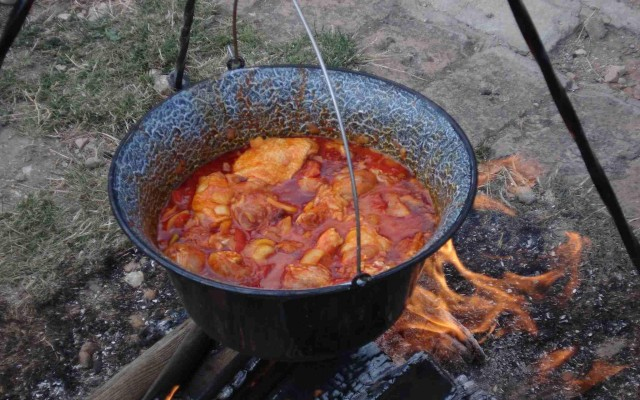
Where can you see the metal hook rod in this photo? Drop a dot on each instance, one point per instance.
(14, 23)
(345, 142)
(571, 120)
(185, 34)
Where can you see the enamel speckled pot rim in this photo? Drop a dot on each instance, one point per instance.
(417, 258)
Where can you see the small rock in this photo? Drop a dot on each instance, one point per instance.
(21, 177)
(63, 16)
(162, 85)
(93, 162)
(85, 355)
(571, 85)
(524, 194)
(580, 52)
(595, 28)
(60, 67)
(636, 92)
(613, 72)
(136, 321)
(622, 81)
(131, 266)
(611, 347)
(134, 279)
(98, 11)
(81, 142)
(149, 294)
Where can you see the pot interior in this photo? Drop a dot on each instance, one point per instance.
(215, 116)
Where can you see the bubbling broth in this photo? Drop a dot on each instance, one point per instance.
(278, 214)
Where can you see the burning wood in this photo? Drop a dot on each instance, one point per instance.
(442, 321)
(173, 391)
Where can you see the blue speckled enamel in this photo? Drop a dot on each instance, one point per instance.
(212, 117)
(215, 116)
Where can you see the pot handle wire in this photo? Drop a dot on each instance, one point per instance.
(14, 23)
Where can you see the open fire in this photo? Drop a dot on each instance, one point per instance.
(456, 308)
(446, 323)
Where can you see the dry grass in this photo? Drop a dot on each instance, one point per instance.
(81, 78)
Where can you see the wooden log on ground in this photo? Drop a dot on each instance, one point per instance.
(135, 378)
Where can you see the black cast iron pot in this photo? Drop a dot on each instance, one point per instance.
(215, 116)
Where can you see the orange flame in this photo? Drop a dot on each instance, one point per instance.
(172, 392)
(569, 382)
(521, 171)
(440, 320)
(484, 202)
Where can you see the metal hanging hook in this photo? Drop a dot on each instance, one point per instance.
(235, 61)
(360, 278)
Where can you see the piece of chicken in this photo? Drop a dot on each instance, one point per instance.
(374, 246)
(305, 276)
(326, 245)
(187, 256)
(212, 199)
(252, 211)
(274, 160)
(365, 181)
(229, 264)
(395, 207)
(327, 204)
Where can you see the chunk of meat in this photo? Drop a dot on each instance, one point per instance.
(327, 204)
(326, 245)
(212, 198)
(395, 207)
(187, 256)
(374, 246)
(252, 210)
(305, 276)
(274, 160)
(229, 264)
(365, 181)
(329, 241)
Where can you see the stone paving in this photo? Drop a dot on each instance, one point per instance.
(469, 57)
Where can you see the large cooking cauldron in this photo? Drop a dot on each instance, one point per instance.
(215, 116)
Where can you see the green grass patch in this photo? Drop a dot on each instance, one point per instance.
(338, 50)
(91, 78)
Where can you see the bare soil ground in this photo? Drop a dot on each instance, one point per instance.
(79, 76)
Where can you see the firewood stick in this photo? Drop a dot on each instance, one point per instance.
(135, 378)
(186, 360)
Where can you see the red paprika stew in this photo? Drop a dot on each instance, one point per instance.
(278, 214)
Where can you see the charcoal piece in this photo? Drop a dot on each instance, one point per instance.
(218, 369)
(419, 378)
(466, 389)
(340, 378)
(367, 374)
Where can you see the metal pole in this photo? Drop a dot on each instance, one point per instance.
(574, 126)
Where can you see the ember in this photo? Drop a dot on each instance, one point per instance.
(568, 382)
(172, 392)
